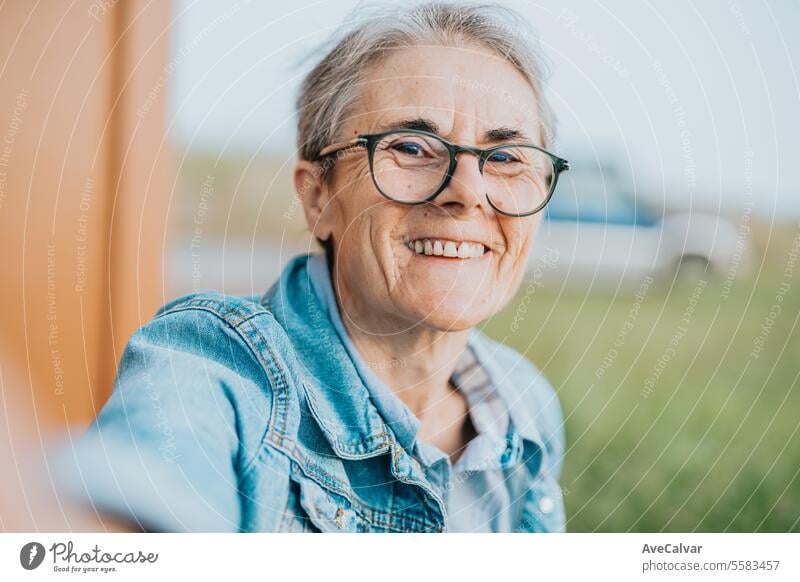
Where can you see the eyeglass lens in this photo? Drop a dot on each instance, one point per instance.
(410, 168)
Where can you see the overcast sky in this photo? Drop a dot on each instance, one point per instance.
(691, 96)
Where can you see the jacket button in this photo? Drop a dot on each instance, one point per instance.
(339, 516)
(546, 504)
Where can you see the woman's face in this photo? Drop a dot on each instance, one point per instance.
(470, 97)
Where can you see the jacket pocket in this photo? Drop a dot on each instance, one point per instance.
(327, 510)
(294, 518)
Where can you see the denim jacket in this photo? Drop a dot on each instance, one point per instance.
(246, 414)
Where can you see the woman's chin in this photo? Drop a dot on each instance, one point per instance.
(452, 324)
(452, 311)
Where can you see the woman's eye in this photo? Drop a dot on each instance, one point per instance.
(409, 149)
(502, 157)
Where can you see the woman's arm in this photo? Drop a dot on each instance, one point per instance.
(164, 452)
(28, 499)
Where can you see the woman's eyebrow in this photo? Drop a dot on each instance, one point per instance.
(498, 134)
(419, 123)
(505, 134)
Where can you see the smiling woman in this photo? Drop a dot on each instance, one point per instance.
(356, 393)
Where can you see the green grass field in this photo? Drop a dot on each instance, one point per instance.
(677, 418)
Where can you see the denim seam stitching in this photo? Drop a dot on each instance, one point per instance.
(209, 305)
(282, 390)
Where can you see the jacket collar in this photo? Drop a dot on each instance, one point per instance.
(336, 395)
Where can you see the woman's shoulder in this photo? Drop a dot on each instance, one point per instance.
(232, 309)
(208, 315)
(231, 344)
(208, 334)
(234, 331)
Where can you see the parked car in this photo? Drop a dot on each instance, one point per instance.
(597, 231)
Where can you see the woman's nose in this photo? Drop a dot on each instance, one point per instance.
(466, 189)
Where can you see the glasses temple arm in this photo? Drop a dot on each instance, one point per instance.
(341, 146)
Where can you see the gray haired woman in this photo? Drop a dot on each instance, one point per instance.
(357, 394)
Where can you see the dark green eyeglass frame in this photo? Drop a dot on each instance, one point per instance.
(369, 141)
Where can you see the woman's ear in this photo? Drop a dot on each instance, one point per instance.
(313, 194)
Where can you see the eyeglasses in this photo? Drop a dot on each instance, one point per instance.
(412, 167)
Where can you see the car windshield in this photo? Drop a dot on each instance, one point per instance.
(590, 192)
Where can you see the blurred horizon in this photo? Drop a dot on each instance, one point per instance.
(630, 83)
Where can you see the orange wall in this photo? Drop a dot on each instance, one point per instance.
(85, 182)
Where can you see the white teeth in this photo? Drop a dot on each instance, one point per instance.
(447, 248)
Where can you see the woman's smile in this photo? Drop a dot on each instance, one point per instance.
(447, 248)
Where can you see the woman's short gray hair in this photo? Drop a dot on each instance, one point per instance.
(331, 88)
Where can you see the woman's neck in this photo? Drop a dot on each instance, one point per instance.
(416, 363)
